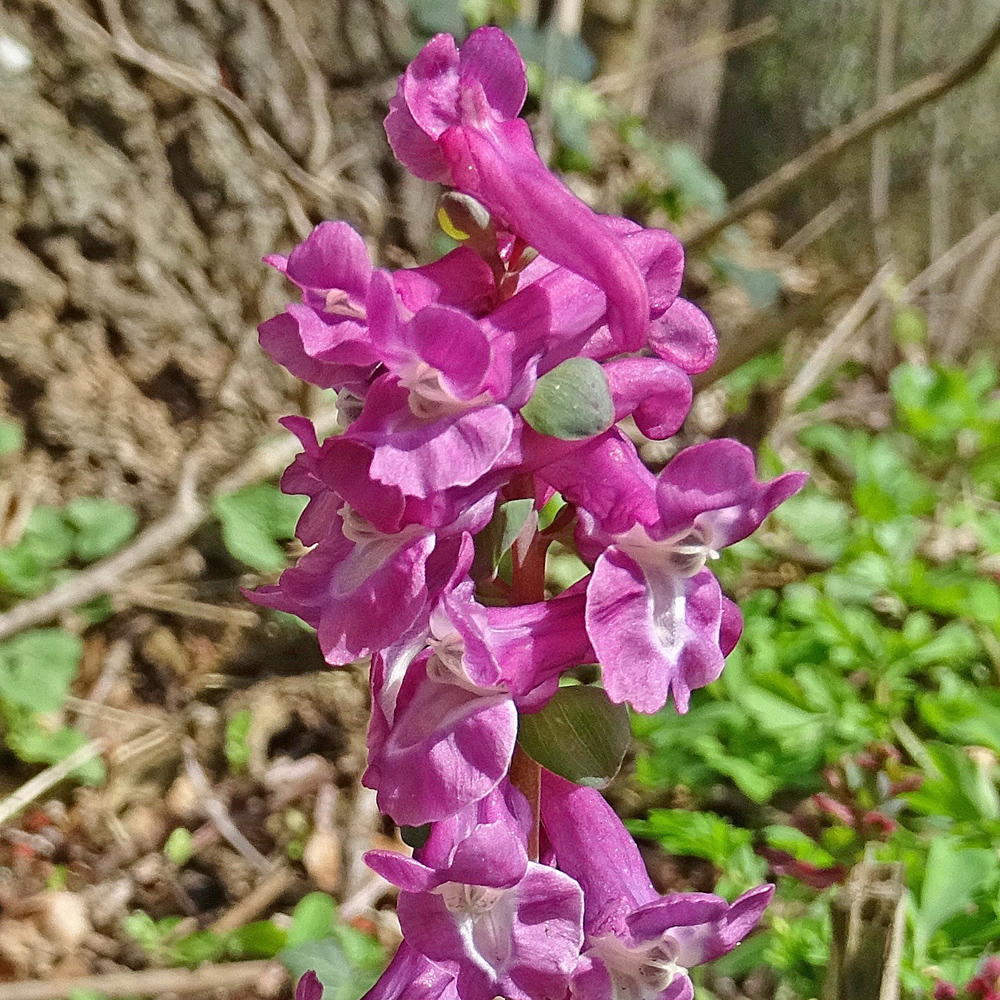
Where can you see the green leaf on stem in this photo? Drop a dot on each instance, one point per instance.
(499, 535)
(572, 402)
(580, 735)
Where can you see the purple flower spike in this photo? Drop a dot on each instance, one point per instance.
(638, 945)
(453, 120)
(444, 725)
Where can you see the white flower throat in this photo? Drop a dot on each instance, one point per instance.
(429, 398)
(473, 901)
(642, 972)
(684, 555)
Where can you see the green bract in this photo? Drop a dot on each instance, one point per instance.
(571, 402)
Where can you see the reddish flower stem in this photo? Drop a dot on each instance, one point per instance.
(528, 587)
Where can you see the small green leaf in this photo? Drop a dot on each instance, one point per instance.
(499, 535)
(102, 526)
(697, 834)
(953, 876)
(799, 845)
(11, 437)
(312, 919)
(36, 668)
(572, 402)
(762, 287)
(340, 978)
(237, 747)
(195, 948)
(178, 847)
(143, 928)
(697, 185)
(254, 520)
(36, 745)
(260, 939)
(580, 735)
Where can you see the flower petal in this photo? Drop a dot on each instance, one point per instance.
(684, 335)
(654, 632)
(656, 392)
(593, 846)
(523, 947)
(445, 748)
(713, 486)
(412, 976)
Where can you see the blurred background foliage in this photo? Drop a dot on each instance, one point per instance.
(205, 804)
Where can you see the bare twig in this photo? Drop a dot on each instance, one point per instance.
(102, 577)
(939, 208)
(966, 315)
(49, 778)
(881, 176)
(146, 982)
(218, 813)
(116, 662)
(829, 350)
(162, 599)
(819, 225)
(365, 896)
(273, 885)
(941, 268)
(360, 827)
(767, 332)
(688, 55)
(900, 105)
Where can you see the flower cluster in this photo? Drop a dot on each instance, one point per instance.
(454, 383)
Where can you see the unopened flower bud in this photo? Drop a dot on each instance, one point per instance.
(461, 216)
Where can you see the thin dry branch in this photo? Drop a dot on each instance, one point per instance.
(881, 178)
(267, 891)
(830, 348)
(941, 268)
(902, 104)
(819, 225)
(688, 55)
(218, 814)
(146, 982)
(49, 778)
(967, 315)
